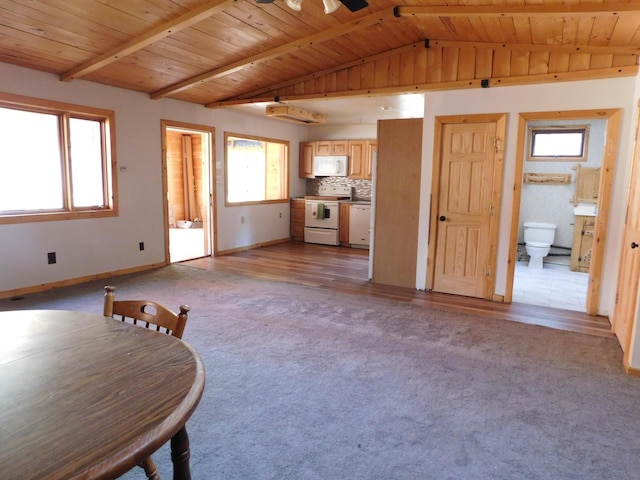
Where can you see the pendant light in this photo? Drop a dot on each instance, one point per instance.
(294, 4)
(331, 6)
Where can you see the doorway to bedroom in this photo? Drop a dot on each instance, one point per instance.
(188, 168)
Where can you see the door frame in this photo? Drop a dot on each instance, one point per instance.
(210, 133)
(612, 131)
(500, 119)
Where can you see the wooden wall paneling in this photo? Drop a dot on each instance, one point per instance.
(559, 62)
(508, 30)
(467, 64)
(198, 159)
(429, 65)
(381, 73)
(407, 65)
(450, 64)
(367, 75)
(494, 29)
(601, 61)
(175, 182)
(353, 78)
(579, 61)
(397, 202)
(583, 32)
(484, 62)
(420, 61)
(479, 29)
(603, 29)
(501, 63)
(342, 81)
(393, 78)
(539, 63)
(624, 60)
(519, 63)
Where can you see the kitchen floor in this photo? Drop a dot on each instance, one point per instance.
(555, 285)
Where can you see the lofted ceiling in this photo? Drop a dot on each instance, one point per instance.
(351, 66)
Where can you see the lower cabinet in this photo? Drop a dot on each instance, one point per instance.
(582, 243)
(343, 229)
(297, 219)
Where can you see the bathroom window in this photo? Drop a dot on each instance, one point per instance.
(256, 170)
(557, 143)
(56, 161)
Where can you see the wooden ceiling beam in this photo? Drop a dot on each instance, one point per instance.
(155, 34)
(628, 71)
(538, 10)
(531, 47)
(323, 36)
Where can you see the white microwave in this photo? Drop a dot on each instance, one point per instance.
(330, 165)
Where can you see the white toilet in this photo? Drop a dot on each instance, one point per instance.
(538, 238)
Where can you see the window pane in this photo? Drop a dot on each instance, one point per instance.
(30, 162)
(86, 162)
(558, 144)
(256, 170)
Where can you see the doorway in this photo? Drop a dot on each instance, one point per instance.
(570, 277)
(189, 167)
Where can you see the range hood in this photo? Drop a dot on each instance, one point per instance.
(295, 114)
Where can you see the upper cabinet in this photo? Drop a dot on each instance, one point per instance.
(332, 147)
(360, 154)
(307, 150)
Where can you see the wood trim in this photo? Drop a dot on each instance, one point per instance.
(255, 245)
(530, 11)
(626, 71)
(604, 200)
(156, 34)
(322, 36)
(532, 47)
(75, 281)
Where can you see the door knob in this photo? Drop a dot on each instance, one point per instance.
(634, 245)
(442, 218)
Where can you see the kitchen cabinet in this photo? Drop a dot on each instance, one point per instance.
(332, 147)
(307, 151)
(297, 219)
(361, 154)
(343, 229)
(582, 243)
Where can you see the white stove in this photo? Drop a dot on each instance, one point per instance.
(322, 214)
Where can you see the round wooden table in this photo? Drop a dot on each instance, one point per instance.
(84, 396)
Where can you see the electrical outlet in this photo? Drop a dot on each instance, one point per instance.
(141, 245)
(51, 257)
(280, 214)
(242, 220)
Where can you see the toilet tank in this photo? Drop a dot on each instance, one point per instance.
(539, 232)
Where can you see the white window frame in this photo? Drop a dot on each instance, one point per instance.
(64, 112)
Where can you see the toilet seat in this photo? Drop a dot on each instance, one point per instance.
(537, 244)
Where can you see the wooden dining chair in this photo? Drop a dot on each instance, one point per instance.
(147, 314)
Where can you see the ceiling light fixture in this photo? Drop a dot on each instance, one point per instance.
(295, 114)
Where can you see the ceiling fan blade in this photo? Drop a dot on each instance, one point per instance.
(355, 5)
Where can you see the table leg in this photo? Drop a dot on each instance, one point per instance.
(180, 454)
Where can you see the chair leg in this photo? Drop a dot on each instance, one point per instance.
(150, 469)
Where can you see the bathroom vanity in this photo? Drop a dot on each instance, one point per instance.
(585, 219)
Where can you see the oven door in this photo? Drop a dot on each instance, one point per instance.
(321, 214)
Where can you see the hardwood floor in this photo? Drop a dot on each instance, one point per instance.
(346, 270)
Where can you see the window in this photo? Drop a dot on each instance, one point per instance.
(256, 170)
(56, 161)
(557, 143)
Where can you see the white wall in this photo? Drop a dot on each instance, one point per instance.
(95, 246)
(593, 94)
(364, 131)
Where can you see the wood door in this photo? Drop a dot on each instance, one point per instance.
(627, 288)
(463, 264)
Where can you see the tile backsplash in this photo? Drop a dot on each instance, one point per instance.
(361, 188)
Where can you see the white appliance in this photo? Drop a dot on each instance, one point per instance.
(330, 165)
(322, 215)
(359, 225)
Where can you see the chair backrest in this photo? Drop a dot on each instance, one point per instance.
(145, 313)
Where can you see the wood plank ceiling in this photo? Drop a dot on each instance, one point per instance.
(226, 52)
